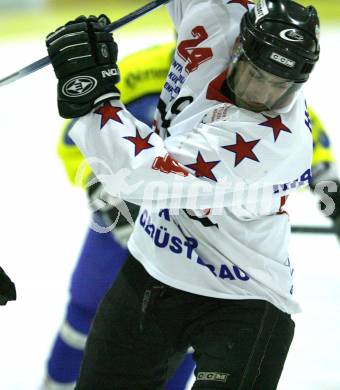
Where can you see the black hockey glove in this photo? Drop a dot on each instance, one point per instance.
(84, 59)
(7, 288)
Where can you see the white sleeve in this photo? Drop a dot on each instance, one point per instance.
(191, 171)
(180, 8)
(133, 162)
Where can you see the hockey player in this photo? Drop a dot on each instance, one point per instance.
(209, 268)
(102, 255)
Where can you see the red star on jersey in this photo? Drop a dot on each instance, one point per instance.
(140, 143)
(108, 112)
(203, 168)
(276, 124)
(242, 149)
(244, 3)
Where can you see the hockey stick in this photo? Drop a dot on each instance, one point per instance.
(315, 229)
(109, 28)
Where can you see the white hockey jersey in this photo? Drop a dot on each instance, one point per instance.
(211, 178)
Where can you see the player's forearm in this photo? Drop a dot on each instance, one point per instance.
(135, 164)
(132, 161)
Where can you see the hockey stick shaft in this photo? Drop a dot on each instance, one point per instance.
(109, 28)
(314, 229)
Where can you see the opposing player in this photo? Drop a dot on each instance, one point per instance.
(209, 266)
(103, 254)
(324, 169)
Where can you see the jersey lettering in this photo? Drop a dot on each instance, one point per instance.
(308, 122)
(205, 221)
(175, 109)
(162, 110)
(167, 164)
(179, 105)
(195, 56)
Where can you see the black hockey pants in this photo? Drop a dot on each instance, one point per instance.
(143, 328)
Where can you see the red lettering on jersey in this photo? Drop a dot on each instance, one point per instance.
(189, 51)
(167, 164)
(283, 201)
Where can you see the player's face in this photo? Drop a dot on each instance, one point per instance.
(257, 90)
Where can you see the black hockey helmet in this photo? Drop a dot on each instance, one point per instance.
(274, 55)
(282, 38)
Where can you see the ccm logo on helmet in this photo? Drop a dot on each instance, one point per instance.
(110, 73)
(79, 86)
(291, 35)
(282, 60)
